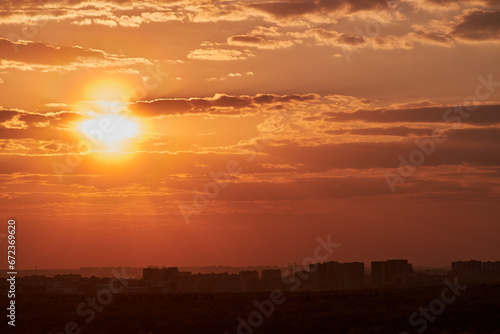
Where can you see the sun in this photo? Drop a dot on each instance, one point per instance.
(109, 127)
(109, 132)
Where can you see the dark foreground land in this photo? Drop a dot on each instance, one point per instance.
(475, 310)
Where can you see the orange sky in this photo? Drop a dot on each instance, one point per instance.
(313, 104)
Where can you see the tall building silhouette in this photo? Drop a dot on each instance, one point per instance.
(471, 268)
(390, 272)
(334, 275)
(249, 280)
(353, 274)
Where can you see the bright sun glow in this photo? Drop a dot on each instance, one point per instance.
(109, 129)
(109, 132)
(107, 95)
(108, 90)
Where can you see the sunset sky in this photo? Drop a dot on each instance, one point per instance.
(313, 102)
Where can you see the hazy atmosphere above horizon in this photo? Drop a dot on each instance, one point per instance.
(193, 133)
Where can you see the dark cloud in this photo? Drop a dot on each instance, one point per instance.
(318, 188)
(246, 39)
(306, 189)
(51, 147)
(217, 105)
(479, 26)
(296, 8)
(6, 115)
(452, 2)
(435, 37)
(258, 41)
(39, 53)
(11, 4)
(469, 146)
(31, 119)
(351, 39)
(400, 131)
(464, 147)
(35, 133)
(44, 127)
(488, 114)
(286, 9)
